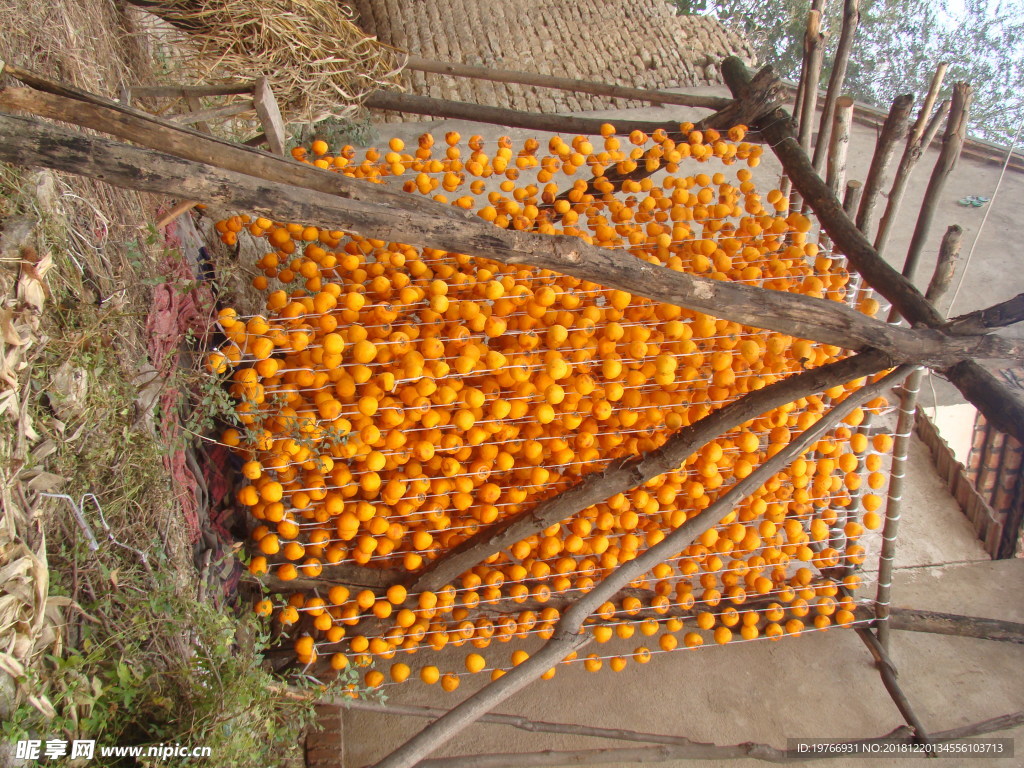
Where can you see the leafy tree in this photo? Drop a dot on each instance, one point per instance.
(899, 43)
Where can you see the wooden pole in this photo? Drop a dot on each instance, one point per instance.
(887, 670)
(838, 145)
(512, 118)
(814, 44)
(893, 130)
(952, 143)
(452, 69)
(917, 132)
(851, 17)
(839, 142)
(901, 446)
(911, 154)
(807, 94)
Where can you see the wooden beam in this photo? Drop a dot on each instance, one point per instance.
(214, 113)
(184, 91)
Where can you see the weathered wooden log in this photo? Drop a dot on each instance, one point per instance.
(421, 64)
(451, 229)
(893, 129)
(999, 315)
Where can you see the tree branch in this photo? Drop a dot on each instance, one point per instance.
(997, 316)
(567, 635)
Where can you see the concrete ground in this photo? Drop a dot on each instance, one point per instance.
(822, 684)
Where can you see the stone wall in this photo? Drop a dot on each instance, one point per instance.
(639, 43)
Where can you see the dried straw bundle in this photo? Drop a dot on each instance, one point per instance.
(319, 63)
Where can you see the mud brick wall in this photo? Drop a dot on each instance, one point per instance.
(639, 43)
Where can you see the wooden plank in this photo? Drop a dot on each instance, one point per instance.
(270, 116)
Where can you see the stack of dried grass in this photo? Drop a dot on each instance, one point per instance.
(318, 62)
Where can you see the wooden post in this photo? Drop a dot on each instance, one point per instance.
(814, 44)
(270, 116)
(807, 94)
(911, 620)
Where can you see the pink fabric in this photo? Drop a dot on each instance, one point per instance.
(174, 311)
